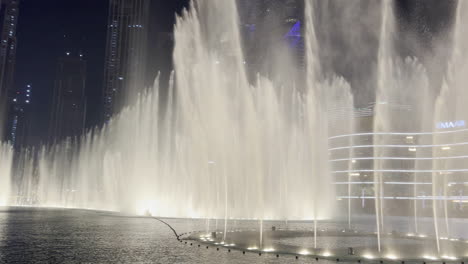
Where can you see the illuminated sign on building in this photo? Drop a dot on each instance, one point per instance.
(451, 124)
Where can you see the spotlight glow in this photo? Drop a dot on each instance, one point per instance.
(304, 252)
(449, 257)
(268, 250)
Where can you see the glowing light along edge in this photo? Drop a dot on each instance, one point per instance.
(399, 133)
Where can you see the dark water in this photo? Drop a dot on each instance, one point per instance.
(76, 236)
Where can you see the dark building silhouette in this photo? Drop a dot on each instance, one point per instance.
(9, 11)
(69, 100)
(125, 63)
(19, 118)
(267, 21)
(272, 30)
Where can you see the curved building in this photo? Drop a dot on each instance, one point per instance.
(407, 172)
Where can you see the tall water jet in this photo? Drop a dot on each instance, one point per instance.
(331, 116)
(385, 56)
(451, 107)
(313, 72)
(6, 159)
(402, 91)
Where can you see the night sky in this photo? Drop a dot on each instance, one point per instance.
(48, 29)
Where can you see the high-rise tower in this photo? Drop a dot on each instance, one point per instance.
(19, 122)
(9, 11)
(69, 101)
(125, 62)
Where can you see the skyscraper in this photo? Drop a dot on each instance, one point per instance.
(125, 61)
(9, 11)
(19, 123)
(69, 101)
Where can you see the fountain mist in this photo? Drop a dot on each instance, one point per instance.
(226, 147)
(6, 158)
(222, 149)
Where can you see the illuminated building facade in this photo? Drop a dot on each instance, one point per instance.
(410, 171)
